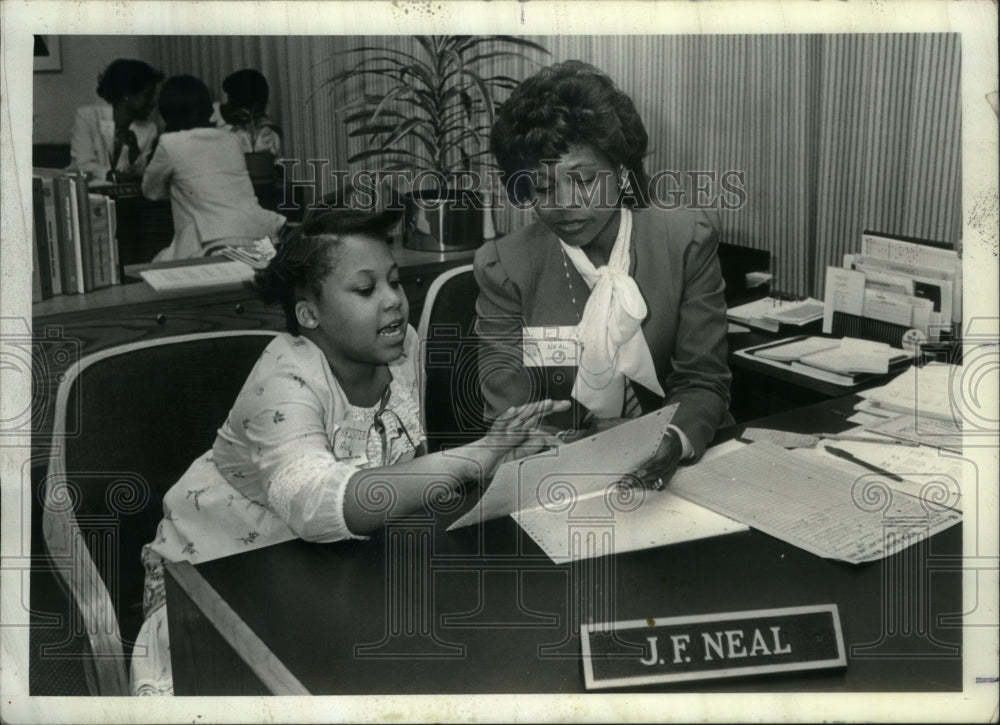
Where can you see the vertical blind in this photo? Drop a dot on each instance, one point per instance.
(831, 134)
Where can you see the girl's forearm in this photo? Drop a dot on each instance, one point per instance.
(374, 494)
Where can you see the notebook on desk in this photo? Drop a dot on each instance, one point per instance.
(773, 314)
(846, 362)
(210, 272)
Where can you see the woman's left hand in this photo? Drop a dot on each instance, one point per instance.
(659, 469)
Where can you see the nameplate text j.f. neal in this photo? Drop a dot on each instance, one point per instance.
(727, 644)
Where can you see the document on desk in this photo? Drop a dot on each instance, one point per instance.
(931, 391)
(924, 471)
(195, 276)
(935, 432)
(844, 292)
(821, 508)
(621, 519)
(560, 477)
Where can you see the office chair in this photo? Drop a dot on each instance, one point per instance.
(260, 166)
(128, 423)
(451, 398)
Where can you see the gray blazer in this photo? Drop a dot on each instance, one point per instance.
(523, 282)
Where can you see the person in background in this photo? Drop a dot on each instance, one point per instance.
(203, 171)
(324, 441)
(635, 291)
(112, 141)
(245, 112)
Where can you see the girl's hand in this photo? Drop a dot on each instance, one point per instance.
(516, 425)
(516, 432)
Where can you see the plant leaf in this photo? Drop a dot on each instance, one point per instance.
(373, 153)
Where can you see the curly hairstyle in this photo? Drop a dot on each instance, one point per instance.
(308, 255)
(126, 77)
(184, 103)
(247, 90)
(570, 103)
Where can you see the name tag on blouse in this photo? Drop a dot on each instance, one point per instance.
(550, 346)
(350, 445)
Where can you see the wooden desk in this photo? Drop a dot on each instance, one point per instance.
(482, 610)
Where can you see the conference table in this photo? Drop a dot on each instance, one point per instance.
(482, 610)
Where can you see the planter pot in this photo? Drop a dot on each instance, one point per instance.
(433, 222)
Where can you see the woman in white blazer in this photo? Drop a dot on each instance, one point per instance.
(113, 141)
(203, 171)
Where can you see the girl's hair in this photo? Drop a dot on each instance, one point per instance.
(185, 103)
(126, 77)
(306, 257)
(247, 89)
(571, 103)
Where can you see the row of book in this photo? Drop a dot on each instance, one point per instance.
(75, 235)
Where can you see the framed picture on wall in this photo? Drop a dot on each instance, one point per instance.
(47, 58)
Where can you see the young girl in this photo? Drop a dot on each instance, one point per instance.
(204, 172)
(330, 408)
(245, 112)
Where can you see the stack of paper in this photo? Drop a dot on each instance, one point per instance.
(933, 390)
(771, 313)
(893, 281)
(198, 276)
(853, 357)
(810, 504)
(842, 362)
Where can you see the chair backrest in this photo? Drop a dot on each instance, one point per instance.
(451, 398)
(260, 166)
(128, 422)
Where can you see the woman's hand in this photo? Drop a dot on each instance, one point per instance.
(659, 469)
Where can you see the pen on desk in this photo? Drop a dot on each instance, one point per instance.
(868, 439)
(864, 464)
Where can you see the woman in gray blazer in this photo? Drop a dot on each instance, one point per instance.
(602, 299)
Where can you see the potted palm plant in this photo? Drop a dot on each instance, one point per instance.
(428, 112)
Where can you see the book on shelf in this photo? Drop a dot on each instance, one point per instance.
(70, 256)
(49, 220)
(100, 241)
(111, 209)
(773, 314)
(83, 229)
(79, 228)
(41, 267)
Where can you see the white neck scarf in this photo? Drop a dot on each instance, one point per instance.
(609, 329)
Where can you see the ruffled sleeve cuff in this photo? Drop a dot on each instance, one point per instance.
(308, 494)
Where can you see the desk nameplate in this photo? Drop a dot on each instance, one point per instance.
(725, 644)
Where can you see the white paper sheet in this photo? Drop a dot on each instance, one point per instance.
(798, 348)
(934, 390)
(817, 507)
(198, 275)
(779, 437)
(922, 469)
(572, 471)
(617, 521)
(844, 292)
